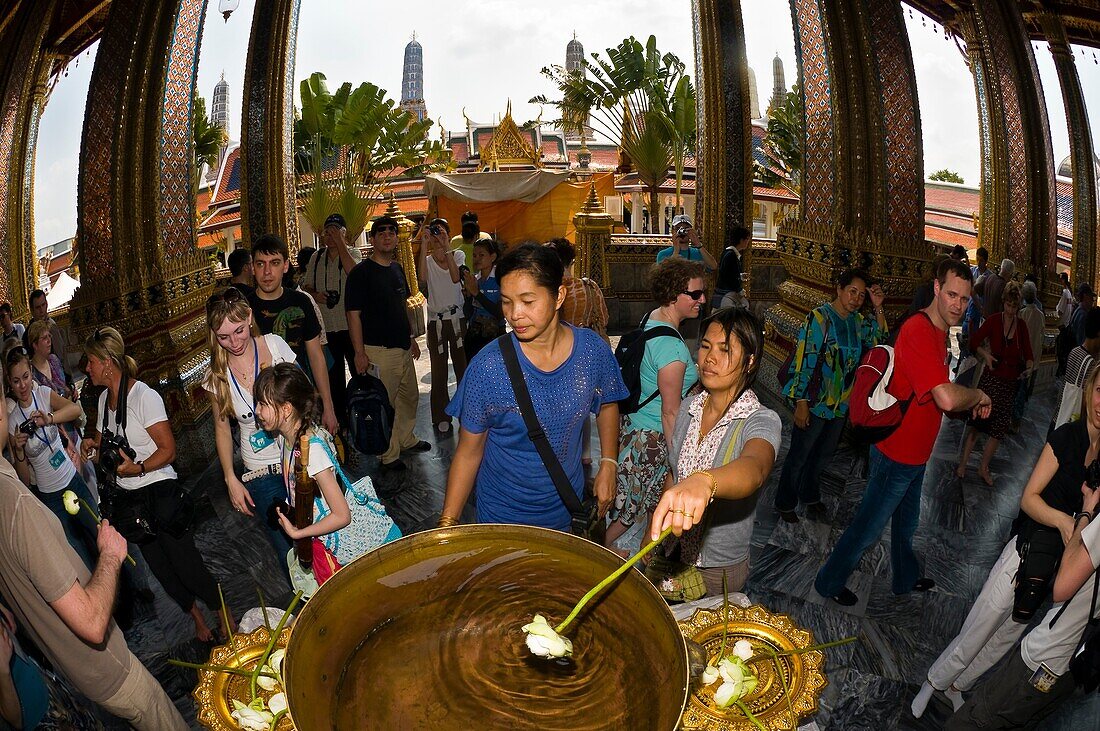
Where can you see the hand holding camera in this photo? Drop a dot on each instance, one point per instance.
(115, 451)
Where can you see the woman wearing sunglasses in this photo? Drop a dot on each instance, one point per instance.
(237, 355)
(667, 372)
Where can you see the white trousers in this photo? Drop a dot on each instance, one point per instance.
(989, 631)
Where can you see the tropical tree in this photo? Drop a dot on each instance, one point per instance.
(370, 136)
(947, 176)
(208, 138)
(637, 96)
(783, 144)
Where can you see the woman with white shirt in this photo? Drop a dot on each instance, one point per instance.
(39, 455)
(237, 355)
(148, 492)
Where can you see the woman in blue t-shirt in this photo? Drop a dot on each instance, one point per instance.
(667, 372)
(487, 321)
(569, 373)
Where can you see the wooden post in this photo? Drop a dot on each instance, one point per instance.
(303, 505)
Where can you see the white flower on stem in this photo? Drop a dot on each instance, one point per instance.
(738, 681)
(276, 660)
(726, 694)
(264, 680)
(543, 641)
(743, 650)
(253, 717)
(277, 703)
(71, 501)
(710, 675)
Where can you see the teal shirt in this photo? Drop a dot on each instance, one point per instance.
(659, 352)
(691, 253)
(848, 339)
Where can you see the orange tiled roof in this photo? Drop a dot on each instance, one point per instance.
(944, 236)
(778, 194)
(957, 200)
(229, 184)
(949, 221)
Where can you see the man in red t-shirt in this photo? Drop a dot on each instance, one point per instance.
(898, 462)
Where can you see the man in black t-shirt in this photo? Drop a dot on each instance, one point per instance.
(289, 314)
(378, 324)
(730, 269)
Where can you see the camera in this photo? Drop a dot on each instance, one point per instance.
(435, 229)
(332, 298)
(1092, 473)
(28, 427)
(111, 448)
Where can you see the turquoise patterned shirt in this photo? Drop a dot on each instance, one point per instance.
(848, 339)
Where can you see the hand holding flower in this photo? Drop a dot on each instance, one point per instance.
(109, 541)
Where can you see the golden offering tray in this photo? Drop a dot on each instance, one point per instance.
(804, 673)
(217, 690)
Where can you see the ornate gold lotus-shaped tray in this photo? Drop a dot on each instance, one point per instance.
(217, 690)
(804, 673)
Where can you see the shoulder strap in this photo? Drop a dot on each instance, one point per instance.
(652, 334)
(733, 440)
(534, 428)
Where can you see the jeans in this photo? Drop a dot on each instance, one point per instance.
(892, 495)
(266, 491)
(80, 529)
(811, 451)
(339, 345)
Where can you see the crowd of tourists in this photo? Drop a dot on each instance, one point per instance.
(683, 441)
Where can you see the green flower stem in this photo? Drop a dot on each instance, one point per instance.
(610, 579)
(217, 668)
(271, 643)
(725, 618)
(99, 520)
(748, 715)
(278, 717)
(772, 654)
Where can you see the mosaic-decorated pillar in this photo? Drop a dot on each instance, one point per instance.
(416, 302)
(724, 174)
(139, 267)
(24, 68)
(862, 193)
(268, 203)
(1017, 218)
(594, 226)
(1086, 231)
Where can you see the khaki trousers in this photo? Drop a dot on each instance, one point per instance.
(395, 368)
(444, 337)
(142, 703)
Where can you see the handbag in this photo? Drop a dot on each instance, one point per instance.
(370, 526)
(586, 521)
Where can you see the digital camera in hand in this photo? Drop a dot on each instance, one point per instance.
(1092, 473)
(28, 427)
(332, 298)
(111, 448)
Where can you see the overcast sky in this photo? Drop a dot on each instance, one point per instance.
(492, 51)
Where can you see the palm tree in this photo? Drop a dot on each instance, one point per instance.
(373, 138)
(639, 97)
(783, 144)
(208, 138)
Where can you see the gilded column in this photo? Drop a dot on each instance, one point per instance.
(25, 67)
(1017, 218)
(862, 177)
(140, 269)
(593, 226)
(724, 174)
(1086, 232)
(405, 230)
(268, 202)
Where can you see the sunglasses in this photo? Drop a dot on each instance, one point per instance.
(228, 297)
(384, 230)
(695, 294)
(15, 352)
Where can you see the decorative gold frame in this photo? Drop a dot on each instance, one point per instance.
(217, 690)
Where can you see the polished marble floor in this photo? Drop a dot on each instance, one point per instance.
(963, 527)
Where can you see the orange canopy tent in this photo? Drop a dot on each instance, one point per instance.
(516, 206)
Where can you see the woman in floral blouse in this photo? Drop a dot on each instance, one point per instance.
(722, 450)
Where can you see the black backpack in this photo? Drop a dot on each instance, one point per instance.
(370, 415)
(629, 354)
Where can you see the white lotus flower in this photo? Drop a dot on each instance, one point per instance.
(743, 650)
(738, 681)
(276, 660)
(252, 717)
(710, 675)
(726, 694)
(543, 641)
(71, 501)
(264, 681)
(277, 703)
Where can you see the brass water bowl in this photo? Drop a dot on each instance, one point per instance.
(424, 633)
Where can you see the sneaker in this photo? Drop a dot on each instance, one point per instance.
(924, 584)
(395, 466)
(846, 598)
(421, 446)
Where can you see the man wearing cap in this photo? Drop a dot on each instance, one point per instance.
(325, 279)
(685, 243)
(381, 335)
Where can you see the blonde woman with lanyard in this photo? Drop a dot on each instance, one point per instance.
(39, 456)
(147, 484)
(237, 355)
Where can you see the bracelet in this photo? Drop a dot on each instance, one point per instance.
(1077, 517)
(446, 521)
(614, 462)
(713, 483)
